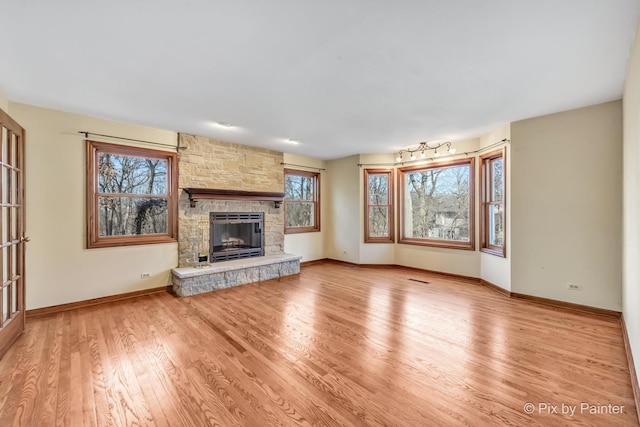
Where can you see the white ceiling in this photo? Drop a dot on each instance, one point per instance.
(342, 77)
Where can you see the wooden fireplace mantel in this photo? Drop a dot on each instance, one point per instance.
(196, 194)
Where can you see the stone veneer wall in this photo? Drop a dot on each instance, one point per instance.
(208, 163)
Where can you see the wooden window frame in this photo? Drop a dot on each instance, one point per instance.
(486, 187)
(390, 206)
(449, 244)
(94, 240)
(316, 202)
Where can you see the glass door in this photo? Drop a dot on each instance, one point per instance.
(12, 239)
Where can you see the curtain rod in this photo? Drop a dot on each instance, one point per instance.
(504, 141)
(302, 166)
(86, 135)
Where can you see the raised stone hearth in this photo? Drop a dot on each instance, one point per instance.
(187, 281)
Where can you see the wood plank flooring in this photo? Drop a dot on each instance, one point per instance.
(336, 345)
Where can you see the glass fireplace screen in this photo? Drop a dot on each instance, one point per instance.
(236, 235)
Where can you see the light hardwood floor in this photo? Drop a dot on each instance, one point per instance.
(336, 345)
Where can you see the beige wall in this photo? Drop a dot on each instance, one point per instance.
(58, 267)
(631, 203)
(566, 177)
(311, 246)
(343, 220)
(495, 269)
(4, 103)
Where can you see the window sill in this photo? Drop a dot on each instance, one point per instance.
(301, 230)
(115, 241)
(465, 246)
(499, 252)
(379, 240)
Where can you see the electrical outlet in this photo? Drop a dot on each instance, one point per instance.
(574, 287)
(145, 275)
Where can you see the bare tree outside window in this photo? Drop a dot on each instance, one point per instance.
(496, 211)
(378, 210)
(378, 206)
(130, 193)
(437, 203)
(301, 201)
(135, 176)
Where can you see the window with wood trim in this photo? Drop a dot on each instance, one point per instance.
(131, 195)
(378, 206)
(492, 207)
(436, 204)
(301, 201)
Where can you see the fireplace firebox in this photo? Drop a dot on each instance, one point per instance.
(236, 235)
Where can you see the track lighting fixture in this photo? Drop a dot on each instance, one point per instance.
(422, 148)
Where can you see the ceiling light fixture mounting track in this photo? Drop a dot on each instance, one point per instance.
(423, 147)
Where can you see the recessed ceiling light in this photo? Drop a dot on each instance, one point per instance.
(224, 125)
(292, 141)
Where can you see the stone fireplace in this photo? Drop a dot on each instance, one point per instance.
(205, 163)
(211, 164)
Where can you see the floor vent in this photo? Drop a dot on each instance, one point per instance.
(418, 280)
